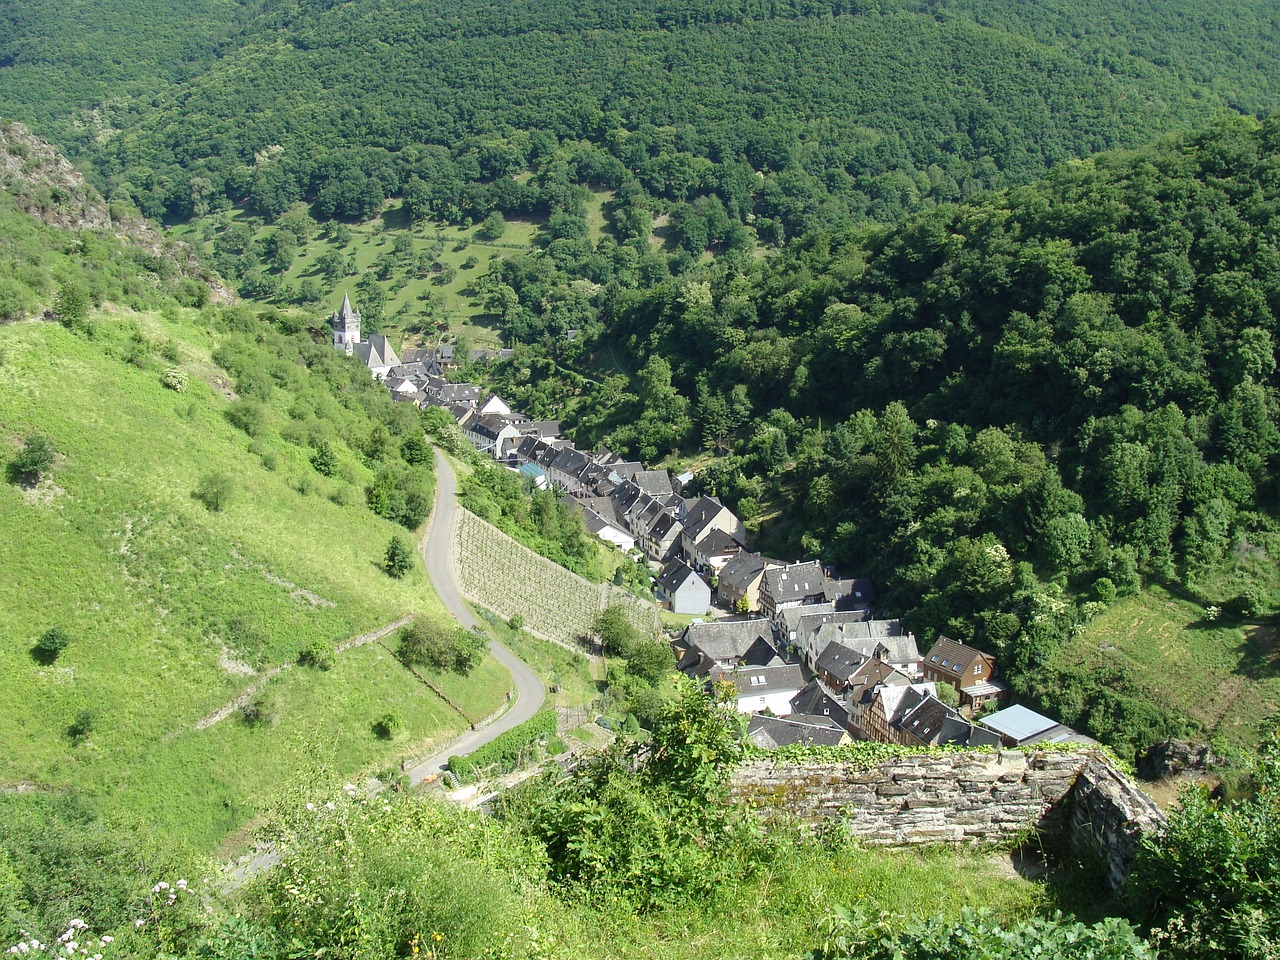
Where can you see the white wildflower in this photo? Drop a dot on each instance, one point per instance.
(311, 806)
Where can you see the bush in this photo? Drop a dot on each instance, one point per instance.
(398, 560)
(324, 459)
(175, 380)
(247, 415)
(81, 728)
(440, 647)
(35, 457)
(388, 726)
(261, 710)
(50, 645)
(317, 654)
(214, 491)
(505, 751)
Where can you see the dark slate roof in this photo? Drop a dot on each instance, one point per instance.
(460, 393)
(873, 672)
(674, 575)
(656, 483)
(883, 638)
(569, 461)
(954, 656)
(727, 641)
(769, 733)
(850, 594)
(753, 681)
(839, 661)
(698, 517)
(664, 526)
(717, 542)
(806, 620)
(795, 582)
(741, 570)
(958, 732)
(814, 696)
(925, 720)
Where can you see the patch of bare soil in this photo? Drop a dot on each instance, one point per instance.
(41, 494)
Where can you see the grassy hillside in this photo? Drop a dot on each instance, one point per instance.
(173, 609)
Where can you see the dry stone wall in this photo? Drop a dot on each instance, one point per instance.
(973, 798)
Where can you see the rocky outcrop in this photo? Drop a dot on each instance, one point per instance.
(966, 798)
(1168, 758)
(45, 185)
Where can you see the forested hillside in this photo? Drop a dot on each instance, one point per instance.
(792, 115)
(1007, 412)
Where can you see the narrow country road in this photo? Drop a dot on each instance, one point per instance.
(529, 691)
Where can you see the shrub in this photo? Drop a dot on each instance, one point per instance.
(247, 415)
(175, 380)
(261, 710)
(81, 728)
(317, 654)
(35, 457)
(505, 751)
(324, 459)
(516, 622)
(388, 726)
(214, 490)
(50, 645)
(440, 647)
(398, 560)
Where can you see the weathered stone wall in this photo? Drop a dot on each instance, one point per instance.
(972, 798)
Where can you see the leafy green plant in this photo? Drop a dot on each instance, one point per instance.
(388, 726)
(215, 491)
(50, 645)
(399, 558)
(33, 460)
(317, 654)
(505, 751)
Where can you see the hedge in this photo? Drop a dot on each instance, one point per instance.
(504, 752)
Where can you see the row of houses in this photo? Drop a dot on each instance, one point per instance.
(815, 674)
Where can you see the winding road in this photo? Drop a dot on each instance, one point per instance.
(529, 691)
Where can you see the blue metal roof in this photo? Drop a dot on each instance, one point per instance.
(532, 470)
(1018, 723)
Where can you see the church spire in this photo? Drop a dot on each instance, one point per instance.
(346, 326)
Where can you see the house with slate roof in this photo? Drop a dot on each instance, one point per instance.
(888, 705)
(681, 590)
(921, 724)
(793, 585)
(764, 688)
(966, 668)
(817, 699)
(739, 585)
(861, 689)
(705, 516)
(872, 638)
(770, 733)
(723, 644)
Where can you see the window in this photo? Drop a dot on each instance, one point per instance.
(977, 669)
(757, 681)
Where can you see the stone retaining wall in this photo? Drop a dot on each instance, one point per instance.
(961, 798)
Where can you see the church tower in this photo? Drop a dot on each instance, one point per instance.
(346, 327)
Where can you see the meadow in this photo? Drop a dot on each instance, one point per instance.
(173, 609)
(1221, 673)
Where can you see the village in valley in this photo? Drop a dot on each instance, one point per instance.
(807, 657)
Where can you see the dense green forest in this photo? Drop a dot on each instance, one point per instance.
(1007, 412)
(790, 114)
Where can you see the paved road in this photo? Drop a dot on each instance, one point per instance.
(529, 692)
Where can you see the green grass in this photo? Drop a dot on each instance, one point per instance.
(163, 597)
(576, 676)
(777, 913)
(1223, 675)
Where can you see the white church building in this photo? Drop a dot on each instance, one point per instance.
(375, 353)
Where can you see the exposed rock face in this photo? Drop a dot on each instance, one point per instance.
(972, 798)
(1172, 757)
(45, 185)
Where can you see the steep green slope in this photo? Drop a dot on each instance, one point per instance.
(174, 609)
(845, 108)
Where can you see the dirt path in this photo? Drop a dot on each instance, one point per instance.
(240, 702)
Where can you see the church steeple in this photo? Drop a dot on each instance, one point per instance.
(346, 327)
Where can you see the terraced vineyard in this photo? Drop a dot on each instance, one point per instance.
(509, 578)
